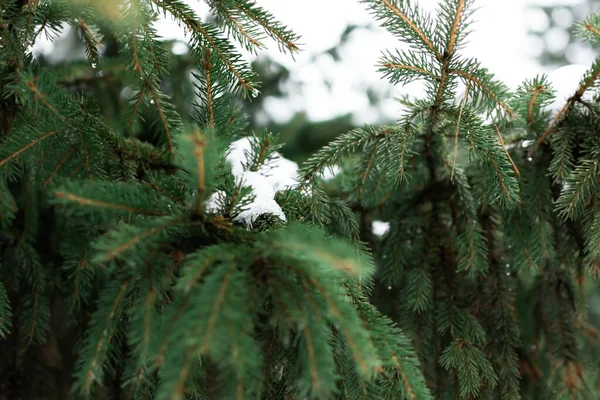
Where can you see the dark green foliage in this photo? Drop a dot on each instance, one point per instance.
(492, 205)
(124, 271)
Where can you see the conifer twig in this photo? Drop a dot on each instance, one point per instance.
(572, 100)
(506, 151)
(215, 312)
(464, 101)
(199, 145)
(58, 166)
(292, 47)
(553, 123)
(407, 67)
(500, 178)
(311, 357)
(195, 26)
(84, 201)
(591, 28)
(479, 83)
(90, 377)
(413, 26)
(534, 96)
(239, 27)
(209, 95)
(116, 252)
(40, 96)
(163, 118)
(27, 146)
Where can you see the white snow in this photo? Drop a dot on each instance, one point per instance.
(330, 173)
(258, 207)
(277, 174)
(214, 202)
(237, 155)
(380, 228)
(565, 81)
(261, 187)
(281, 172)
(526, 143)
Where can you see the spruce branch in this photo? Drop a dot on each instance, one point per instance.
(91, 40)
(278, 32)
(405, 21)
(589, 29)
(117, 242)
(206, 37)
(532, 102)
(82, 201)
(580, 186)
(156, 100)
(15, 153)
(358, 342)
(209, 90)
(563, 161)
(60, 164)
(586, 83)
(478, 80)
(199, 145)
(113, 198)
(96, 347)
(462, 106)
(244, 32)
(501, 140)
(5, 313)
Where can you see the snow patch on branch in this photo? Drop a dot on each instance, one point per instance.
(380, 228)
(276, 174)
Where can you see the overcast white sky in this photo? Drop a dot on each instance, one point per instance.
(499, 41)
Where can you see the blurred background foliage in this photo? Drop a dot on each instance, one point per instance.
(550, 24)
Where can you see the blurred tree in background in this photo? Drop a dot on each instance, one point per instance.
(551, 31)
(550, 26)
(301, 135)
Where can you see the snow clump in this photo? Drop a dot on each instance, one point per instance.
(380, 228)
(277, 174)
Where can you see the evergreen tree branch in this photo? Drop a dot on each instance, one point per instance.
(82, 201)
(92, 42)
(5, 313)
(58, 166)
(34, 142)
(506, 151)
(241, 75)
(530, 105)
(212, 320)
(102, 328)
(114, 244)
(401, 19)
(586, 83)
(246, 34)
(484, 88)
(453, 35)
(273, 28)
(161, 113)
(462, 106)
(209, 91)
(581, 185)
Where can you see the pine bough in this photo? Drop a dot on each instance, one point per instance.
(150, 252)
